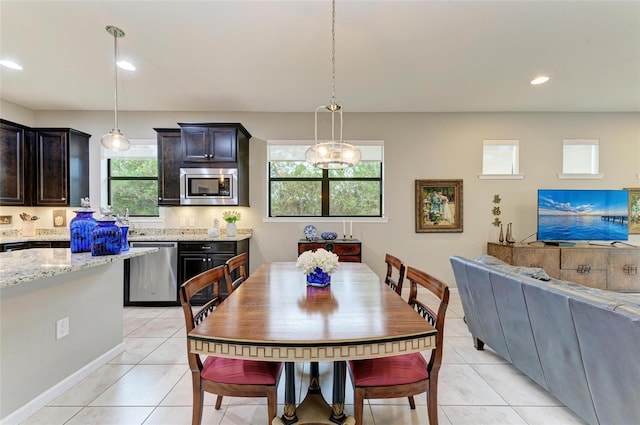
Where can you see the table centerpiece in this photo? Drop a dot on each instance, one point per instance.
(318, 266)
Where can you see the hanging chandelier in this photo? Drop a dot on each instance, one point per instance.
(335, 153)
(115, 140)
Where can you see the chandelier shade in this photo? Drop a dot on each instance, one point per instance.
(115, 140)
(332, 154)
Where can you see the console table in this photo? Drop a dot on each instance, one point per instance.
(612, 268)
(348, 250)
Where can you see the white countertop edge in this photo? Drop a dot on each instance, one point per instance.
(13, 271)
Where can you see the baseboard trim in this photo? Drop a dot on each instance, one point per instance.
(60, 388)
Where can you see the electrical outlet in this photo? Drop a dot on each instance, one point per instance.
(62, 328)
(182, 222)
(192, 221)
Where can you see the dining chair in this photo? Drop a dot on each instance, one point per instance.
(239, 263)
(219, 375)
(406, 375)
(394, 263)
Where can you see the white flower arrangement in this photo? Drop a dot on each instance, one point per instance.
(231, 216)
(308, 261)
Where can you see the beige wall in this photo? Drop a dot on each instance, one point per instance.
(417, 146)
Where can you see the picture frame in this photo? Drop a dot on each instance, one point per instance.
(438, 206)
(634, 211)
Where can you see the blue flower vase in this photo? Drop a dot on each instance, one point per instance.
(318, 278)
(125, 242)
(106, 238)
(81, 226)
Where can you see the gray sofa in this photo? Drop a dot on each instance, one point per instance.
(580, 344)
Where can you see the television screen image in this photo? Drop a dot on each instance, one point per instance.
(582, 215)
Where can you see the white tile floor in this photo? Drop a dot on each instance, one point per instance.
(150, 384)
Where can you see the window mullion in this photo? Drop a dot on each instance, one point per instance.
(325, 193)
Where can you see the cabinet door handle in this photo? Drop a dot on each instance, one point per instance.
(63, 199)
(204, 260)
(205, 247)
(583, 269)
(159, 198)
(630, 269)
(209, 260)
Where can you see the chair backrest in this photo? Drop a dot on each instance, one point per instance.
(193, 315)
(239, 263)
(436, 318)
(394, 263)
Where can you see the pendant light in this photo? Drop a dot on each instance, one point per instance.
(115, 140)
(335, 153)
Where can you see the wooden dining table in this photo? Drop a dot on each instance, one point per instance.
(275, 316)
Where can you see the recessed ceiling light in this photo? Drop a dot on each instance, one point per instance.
(10, 64)
(128, 66)
(539, 80)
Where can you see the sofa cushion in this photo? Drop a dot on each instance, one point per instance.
(533, 272)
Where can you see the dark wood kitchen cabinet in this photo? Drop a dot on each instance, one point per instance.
(43, 166)
(62, 167)
(196, 257)
(212, 143)
(16, 142)
(169, 163)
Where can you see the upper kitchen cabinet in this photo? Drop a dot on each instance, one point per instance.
(213, 143)
(15, 165)
(43, 166)
(62, 167)
(169, 163)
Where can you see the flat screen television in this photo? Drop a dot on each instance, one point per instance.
(582, 215)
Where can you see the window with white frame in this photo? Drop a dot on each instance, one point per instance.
(500, 157)
(298, 189)
(580, 156)
(132, 179)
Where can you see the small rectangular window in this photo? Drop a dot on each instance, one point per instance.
(500, 157)
(580, 156)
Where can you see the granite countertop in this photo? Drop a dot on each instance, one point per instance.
(135, 235)
(18, 267)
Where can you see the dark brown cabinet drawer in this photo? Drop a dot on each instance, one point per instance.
(347, 251)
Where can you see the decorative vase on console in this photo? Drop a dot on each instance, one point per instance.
(501, 237)
(81, 226)
(231, 217)
(509, 237)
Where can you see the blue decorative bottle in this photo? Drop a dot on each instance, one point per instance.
(106, 237)
(81, 226)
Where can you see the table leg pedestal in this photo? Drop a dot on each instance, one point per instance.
(314, 409)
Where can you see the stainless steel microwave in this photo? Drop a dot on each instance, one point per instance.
(208, 186)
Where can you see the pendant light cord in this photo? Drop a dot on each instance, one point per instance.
(333, 53)
(115, 78)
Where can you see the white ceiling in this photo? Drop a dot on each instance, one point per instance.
(391, 55)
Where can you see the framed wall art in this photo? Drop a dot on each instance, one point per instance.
(634, 211)
(438, 206)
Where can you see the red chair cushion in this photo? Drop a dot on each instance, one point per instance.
(395, 370)
(236, 371)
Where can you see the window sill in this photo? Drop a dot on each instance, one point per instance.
(581, 176)
(501, 176)
(325, 219)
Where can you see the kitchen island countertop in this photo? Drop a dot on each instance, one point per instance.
(27, 265)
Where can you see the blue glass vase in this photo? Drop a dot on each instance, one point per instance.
(81, 226)
(125, 242)
(106, 238)
(318, 278)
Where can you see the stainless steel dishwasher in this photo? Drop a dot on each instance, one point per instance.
(153, 278)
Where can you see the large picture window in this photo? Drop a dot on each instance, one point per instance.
(298, 189)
